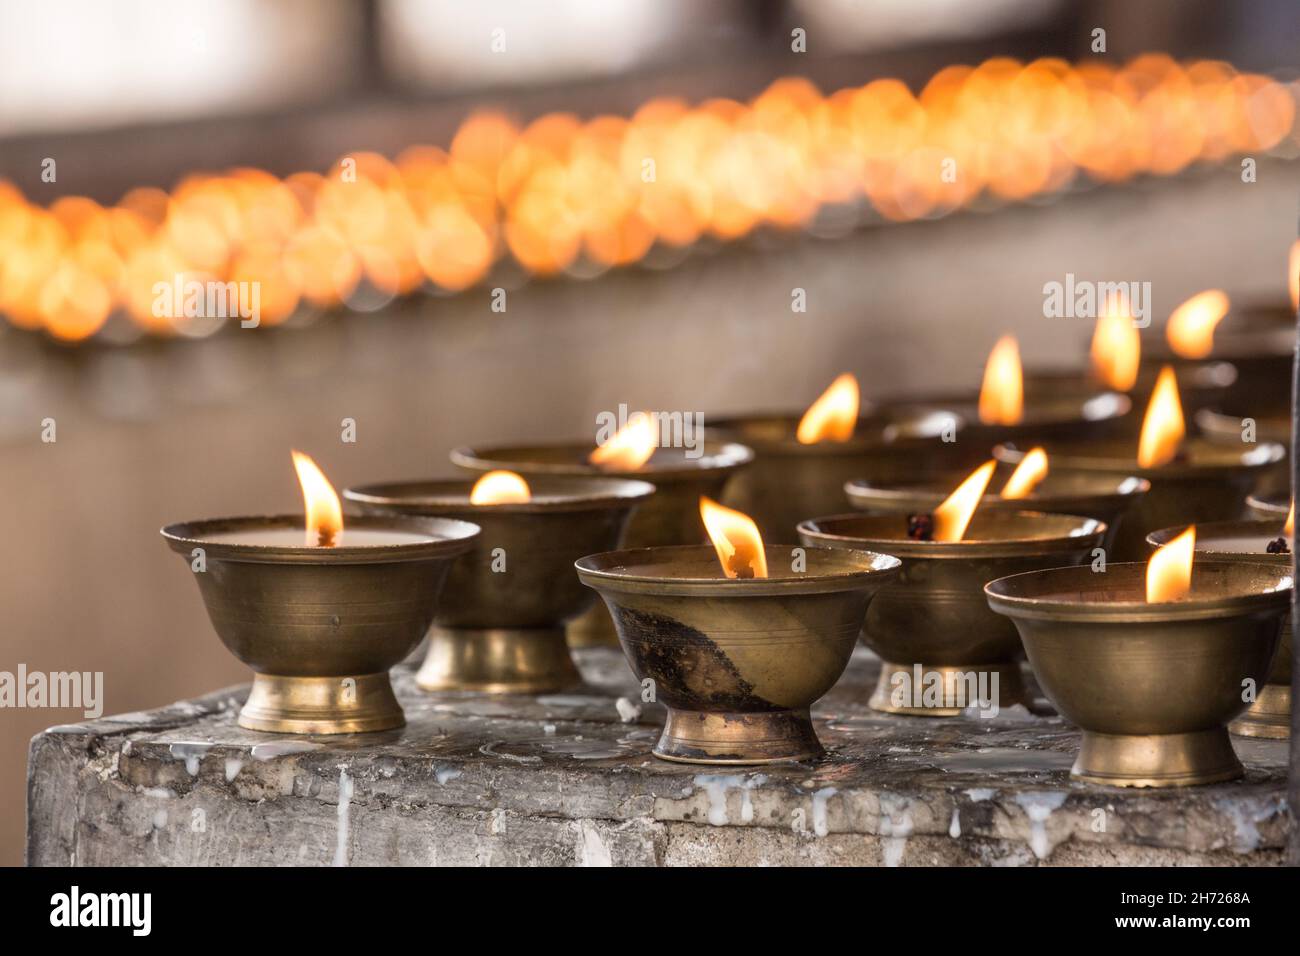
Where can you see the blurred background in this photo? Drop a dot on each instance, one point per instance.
(647, 181)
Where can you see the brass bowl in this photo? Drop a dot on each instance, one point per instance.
(500, 625)
(1270, 713)
(738, 663)
(1208, 485)
(1200, 385)
(672, 516)
(320, 627)
(1264, 507)
(931, 625)
(1151, 686)
(1104, 497)
(1047, 417)
(790, 481)
(1260, 341)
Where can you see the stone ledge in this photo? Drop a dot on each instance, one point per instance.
(564, 779)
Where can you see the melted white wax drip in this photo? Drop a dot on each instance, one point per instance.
(819, 810)
(345, 801)
(191, 753)
(1038, 808)
(895, 827)
(282, 749)
(716, 787)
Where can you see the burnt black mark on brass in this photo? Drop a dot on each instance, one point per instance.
(678, 658)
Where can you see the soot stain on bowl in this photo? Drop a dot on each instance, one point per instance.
(682, 660)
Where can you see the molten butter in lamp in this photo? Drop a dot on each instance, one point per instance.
(941, 648)
(319, 610)
(737, 639)
(500, 624)
(1150, 660)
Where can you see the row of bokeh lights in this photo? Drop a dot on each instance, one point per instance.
(560, 191)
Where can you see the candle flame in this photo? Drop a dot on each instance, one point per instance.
(1002, 397)
(736, 539)
(324, 513)
(1293, 267)
(833, 416)
(1116, 349)
(1031, 470)
(1191, 326)
(500, 488)
(952, 517)
(1162, 428)
(1288, 529)
(1169, 572)
(630, 447)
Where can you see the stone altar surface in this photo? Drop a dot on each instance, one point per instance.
(569, 779)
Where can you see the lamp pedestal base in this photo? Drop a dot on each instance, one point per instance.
(501, 660)
(1157, 760)
(321, 705)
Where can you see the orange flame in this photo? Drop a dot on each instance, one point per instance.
(1191, 326)
(1169, 572)
(1031, 470)
(736, 539)
(324, 513)
(1288, 529)
(833, 416)
(1293, 267)
(500, 488)
(952, 517)
(630, 447)
(1116, 350)
(1002, 397)
(1162, 428)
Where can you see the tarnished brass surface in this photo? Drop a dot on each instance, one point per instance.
(672, 516)
(1104, 497)
(1207, 484)
(1270, 714)
(737, 663)
(789, 482)
(934, 612)
(320, 627)
(1152, 686)
(500, 624)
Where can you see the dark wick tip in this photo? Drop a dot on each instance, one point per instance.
(1279, 546)
(920, 527)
